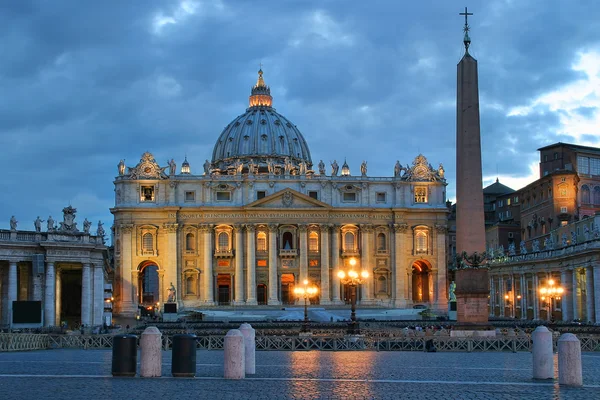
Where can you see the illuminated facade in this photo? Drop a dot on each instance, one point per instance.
(260, 219)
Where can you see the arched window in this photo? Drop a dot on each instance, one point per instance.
(381, 242)
(147, 242)
(421, 242)
(223, 241)
(261, 241)
(190, 285)
(190, 242)
(288, 241)
(349, 241)
(597, 196)
(382, 284)
(313, 242)
(585, 194)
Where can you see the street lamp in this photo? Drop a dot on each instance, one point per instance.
(551, 292)
(306, 292)
(352, 278)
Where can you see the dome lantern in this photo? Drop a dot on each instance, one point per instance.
(345, 169)
(185, 166)
(261, 93)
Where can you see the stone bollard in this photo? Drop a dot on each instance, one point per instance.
(151, 353)
(569, 360)
(234, 358)
(543, 357)
(250, 347)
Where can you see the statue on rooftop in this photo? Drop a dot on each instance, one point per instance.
(334, 168)
(13, 223)
(38, 224)
(321, 168)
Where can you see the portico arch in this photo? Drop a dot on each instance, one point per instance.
(421, 281)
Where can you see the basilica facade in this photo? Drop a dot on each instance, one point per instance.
(261, 218)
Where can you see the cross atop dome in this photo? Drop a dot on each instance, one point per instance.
(261, 93)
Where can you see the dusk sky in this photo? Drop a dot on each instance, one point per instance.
(86, 83)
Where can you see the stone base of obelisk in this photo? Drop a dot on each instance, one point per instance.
(472, 297)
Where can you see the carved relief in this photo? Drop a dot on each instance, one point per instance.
(441, 228)
(401, 227)
(170, 227)
(422, 171)
(287, 199)
(147, 168)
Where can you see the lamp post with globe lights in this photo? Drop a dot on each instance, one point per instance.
(551, 292)
(353, 278)
(305, 292)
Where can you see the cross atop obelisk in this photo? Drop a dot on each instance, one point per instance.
(467, 39)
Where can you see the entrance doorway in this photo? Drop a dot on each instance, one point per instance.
(261, 294)
(287, 289)
(70, 296)
(224, 288)
(148, 285)
(420, 282)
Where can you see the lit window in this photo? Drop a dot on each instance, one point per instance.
(147, 193)
(349, 241)
(261, 241)
(147, 242)
(190, 242)
(421, 242)
(421, 194)
(313, 242)
(223, 241)
(508, 202)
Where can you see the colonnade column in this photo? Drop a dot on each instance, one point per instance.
(566, 298)
(98, 294)
(576, 292)
(441, 298)
(589, 294)
(12, 288)
(207, 254)
(399, 266)
(38, 287)
(596, 291)
(172, 270)
(523, 292)
(335, 260)
(127, 293)
(303, 267)
(273, 265)
(365, 263)
(239, 266)
(325, 296)
(251, 265)
(501, 290)
(86, 295)
(49, 296)
(492, 296)
(58, 294)
(536, 300)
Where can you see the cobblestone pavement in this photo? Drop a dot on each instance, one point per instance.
(86, 374)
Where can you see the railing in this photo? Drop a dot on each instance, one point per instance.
(22, 342)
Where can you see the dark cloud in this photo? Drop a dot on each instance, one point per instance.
(87, 84)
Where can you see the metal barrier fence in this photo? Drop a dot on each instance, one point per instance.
(24, 341)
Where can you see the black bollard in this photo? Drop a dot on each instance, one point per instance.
(183, 363)
(124, 356)
(429, 346)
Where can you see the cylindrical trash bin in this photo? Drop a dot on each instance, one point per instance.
(183, 362)
(124, 356)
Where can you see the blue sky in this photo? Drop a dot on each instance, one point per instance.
(85, 84)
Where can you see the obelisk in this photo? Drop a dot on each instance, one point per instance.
(472, 283)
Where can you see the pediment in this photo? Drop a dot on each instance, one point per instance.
(288, 198)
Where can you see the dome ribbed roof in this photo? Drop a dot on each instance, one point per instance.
(260, 135)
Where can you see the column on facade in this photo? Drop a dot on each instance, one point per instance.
(523, 293)
(536, 301)
(239, 265)
(12, 287)
(589, 293)
(366, 262)
(596, 291)
(38, 287)
(173, 274)
(501, 289)
(439, 272)
(325, 295)
(98, 296)
(566, 298)
(492, 295)
(399, 265)
(86, 295)
(273, 284)
(207, 256)
(135, 281)
(58, 295)
(303, 267)
(161, 286)
(251, 265)
(127, 286)
(50, 295)
(576, 294)
(335, 261)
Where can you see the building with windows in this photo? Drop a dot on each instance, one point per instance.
(261, 217)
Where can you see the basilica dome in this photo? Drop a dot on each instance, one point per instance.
(261, 139)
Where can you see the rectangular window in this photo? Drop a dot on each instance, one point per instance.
(380, 197)
(147, 193)
(583, 165)
(510, 235)
(223, 196)
(190, 196)
(594, 166)
(261, 194)
(349, 197)
(421, 194)
(508, 202)
(563, 209)
(501, 203)
(516, 199)
(564, 223)
(313, 194)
